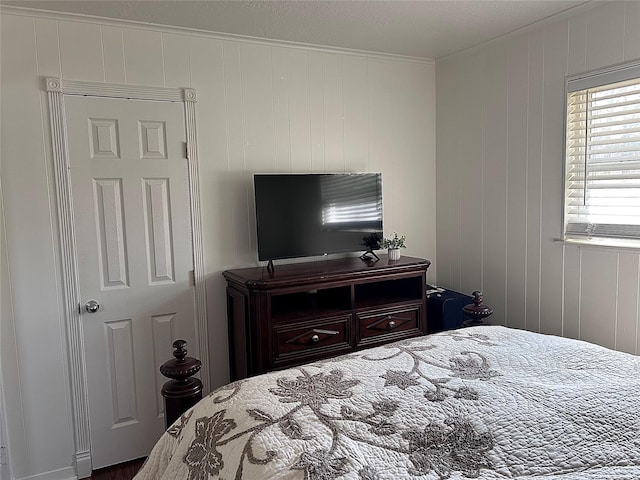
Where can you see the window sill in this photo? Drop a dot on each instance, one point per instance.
(606, 243)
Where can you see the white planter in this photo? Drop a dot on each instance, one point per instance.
(394, 253)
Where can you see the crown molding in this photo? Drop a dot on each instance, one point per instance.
(32, 12)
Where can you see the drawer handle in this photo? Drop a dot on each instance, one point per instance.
(305, 340)
(391, 325)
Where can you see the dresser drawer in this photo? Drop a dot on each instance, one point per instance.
(383, 326)
(310, 339)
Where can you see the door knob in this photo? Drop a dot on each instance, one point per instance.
(92, 306)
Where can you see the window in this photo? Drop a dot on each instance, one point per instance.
(602, 170)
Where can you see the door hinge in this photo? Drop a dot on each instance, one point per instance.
(186, 150)
(192, 277)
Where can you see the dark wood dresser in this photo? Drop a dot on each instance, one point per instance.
(308, 311)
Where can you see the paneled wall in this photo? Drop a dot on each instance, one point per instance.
(499, 181)
(261, 108)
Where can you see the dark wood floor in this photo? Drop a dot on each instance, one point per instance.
(123, 471)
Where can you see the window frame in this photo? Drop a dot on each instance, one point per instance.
(583, 81)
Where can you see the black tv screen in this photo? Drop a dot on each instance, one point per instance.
(302, 215)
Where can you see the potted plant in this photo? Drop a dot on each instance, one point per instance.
(393, 245)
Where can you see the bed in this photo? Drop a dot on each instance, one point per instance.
(482, 402)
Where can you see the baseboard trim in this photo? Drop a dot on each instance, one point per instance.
(61, 474)
(83, 464)
(82, 470)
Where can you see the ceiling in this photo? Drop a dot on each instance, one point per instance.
(417, 28)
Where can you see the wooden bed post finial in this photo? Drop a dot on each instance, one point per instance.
(182, 392)
(476, 311)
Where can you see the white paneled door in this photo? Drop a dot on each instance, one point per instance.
(129, 178)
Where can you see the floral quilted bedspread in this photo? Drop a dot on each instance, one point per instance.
(482, 402)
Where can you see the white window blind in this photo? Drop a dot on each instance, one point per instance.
(602, 171)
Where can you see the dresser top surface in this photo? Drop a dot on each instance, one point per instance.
(323, 270)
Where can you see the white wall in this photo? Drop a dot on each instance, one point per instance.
(499, 181)
(261, 107)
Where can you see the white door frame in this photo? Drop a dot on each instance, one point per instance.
(57, 89)
(5, 459)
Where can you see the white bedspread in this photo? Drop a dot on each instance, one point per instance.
(481, 402)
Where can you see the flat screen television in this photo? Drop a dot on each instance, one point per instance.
(303, 215)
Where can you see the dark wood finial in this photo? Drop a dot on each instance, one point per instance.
(180, 352)
(477, 299)
(181, 392)
(181, 367)
(477, 311)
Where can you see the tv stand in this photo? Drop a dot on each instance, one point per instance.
(311, 311)
(365, 256)
(270, 267)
